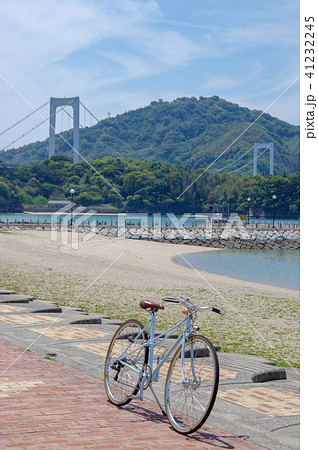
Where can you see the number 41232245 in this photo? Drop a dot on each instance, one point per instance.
(309, 46)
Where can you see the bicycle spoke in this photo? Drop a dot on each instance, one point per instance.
(192, 377)
(189, 399)
(122, 375)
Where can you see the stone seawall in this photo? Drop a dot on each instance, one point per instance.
(216, 238)
(224, 237)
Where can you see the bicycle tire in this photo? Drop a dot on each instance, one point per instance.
(189, 400)
(122, 381)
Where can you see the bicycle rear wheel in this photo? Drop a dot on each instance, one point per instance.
(190, 398)
(122, 373)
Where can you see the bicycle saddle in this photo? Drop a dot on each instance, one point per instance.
(144, 304)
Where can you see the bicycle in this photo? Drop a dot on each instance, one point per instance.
(193, 375)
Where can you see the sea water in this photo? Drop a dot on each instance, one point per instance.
(135, 219)
(273, 267)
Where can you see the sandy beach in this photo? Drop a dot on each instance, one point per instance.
(110, 276)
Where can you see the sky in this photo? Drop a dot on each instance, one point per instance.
(119, 55)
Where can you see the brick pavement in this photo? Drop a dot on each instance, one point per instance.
(69, 332)
(46, 405)
(23, 319)
(9, 308)
(266, 401)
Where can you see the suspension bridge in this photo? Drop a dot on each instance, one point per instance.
(58, 107)
(69, 110)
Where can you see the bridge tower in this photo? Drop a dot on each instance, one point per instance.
(270, 147)
(55, 103)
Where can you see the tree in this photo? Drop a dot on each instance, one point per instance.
(10, 200)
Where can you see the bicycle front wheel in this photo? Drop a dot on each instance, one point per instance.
(124, 361)
(191, 385)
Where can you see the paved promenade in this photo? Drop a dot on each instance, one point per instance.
(46, 405)
(60, 401)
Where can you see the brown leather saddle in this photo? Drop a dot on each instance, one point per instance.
(145, 304)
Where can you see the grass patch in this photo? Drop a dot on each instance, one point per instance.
(253, 324)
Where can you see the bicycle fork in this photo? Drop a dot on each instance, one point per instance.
(187, 382)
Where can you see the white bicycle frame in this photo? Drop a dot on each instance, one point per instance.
(154, 341)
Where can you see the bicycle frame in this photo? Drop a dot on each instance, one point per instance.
(193, 366)
(153, 342)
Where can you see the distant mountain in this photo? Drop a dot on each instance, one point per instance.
(188, 131)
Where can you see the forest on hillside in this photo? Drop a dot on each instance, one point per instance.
(146, 186)
(187, 131)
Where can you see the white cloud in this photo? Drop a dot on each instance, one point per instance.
(133, 51)
(39, 38)
(169, 48)
(258, 35)
(218, 83)
(57, 48)
(39, 33)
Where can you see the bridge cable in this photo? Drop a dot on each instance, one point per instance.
(28, 132)
(233, 162)
(89, 112)
(250, 161)
(29, 115)
(70, 115)
(62, 137)
(96, 138)
(282, 162)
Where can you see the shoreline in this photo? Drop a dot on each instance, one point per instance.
(110, 276)
(173, 259)
(164, 253)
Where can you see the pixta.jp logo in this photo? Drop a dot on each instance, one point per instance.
(68, 225)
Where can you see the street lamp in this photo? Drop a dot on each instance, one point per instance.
(248, 210)
(72, 193)
(274, 199)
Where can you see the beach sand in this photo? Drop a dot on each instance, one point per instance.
(110, 276)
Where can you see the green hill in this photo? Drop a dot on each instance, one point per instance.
(187, 131)
(146, 186)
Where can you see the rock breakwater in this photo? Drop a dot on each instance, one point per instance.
(220, 237)
(217, 238)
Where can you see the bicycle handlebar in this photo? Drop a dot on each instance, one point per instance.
(171, 299)
(218, 311)
(186, 302)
